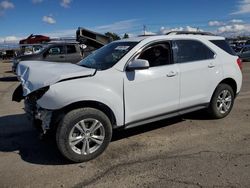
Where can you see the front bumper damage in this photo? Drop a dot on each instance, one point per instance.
(39, 116)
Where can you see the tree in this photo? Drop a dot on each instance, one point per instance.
(113, 36)
(126, 36)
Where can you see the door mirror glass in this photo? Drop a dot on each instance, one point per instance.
(138, 64)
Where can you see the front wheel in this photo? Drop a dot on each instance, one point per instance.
(222, 101)
(83, 134)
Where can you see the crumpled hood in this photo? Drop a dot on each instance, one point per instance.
(38, 74)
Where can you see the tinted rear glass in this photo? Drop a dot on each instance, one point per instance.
(224, 46)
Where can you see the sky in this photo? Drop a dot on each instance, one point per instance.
(61, 18)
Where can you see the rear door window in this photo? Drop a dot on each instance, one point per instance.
(190, 50)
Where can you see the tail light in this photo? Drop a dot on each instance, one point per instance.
(239, 62)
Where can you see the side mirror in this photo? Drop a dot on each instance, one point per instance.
(137, 64)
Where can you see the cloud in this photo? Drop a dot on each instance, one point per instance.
(61, 33)
(65, 3)
(215, 23)
(234, 30)
(231, 28)
(118, 27)
(37, 1)
(10, 39)
(236, 21)
(164, 30)
(5, 5)
(49, 20)
(243, 7)
(148, 33)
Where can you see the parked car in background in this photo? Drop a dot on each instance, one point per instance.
(128, 83)
(56, 52)
(8, 54)
(28, 49)
(244, 53)
(33, 39)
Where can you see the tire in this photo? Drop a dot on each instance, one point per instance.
(83, 134)
(222, 101)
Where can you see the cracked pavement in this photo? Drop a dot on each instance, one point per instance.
(187, 151)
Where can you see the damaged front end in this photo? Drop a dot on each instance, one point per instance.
(41, 118)
(36, 78)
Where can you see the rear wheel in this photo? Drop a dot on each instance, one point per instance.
(222, 101)
(83, 134)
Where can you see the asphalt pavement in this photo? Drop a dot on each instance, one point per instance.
(187, 151)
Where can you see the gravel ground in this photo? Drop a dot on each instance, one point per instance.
(187, 151)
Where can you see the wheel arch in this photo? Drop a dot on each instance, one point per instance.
(58, 114)
(231, 82)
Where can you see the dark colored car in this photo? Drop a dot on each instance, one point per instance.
(57, 52)
(244, 53)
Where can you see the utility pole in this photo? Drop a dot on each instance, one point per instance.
(144, 29)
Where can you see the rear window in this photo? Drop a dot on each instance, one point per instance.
(224, 46)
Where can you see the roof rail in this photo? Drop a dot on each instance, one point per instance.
(189, 33)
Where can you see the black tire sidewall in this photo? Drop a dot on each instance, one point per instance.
(213, 104)
(68, 122)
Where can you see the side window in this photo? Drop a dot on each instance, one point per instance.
(71, 49)
(55, 50)
(157, 54)
(191, 50)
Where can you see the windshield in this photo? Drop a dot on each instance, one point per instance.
(107, 56)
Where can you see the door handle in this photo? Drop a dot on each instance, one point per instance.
(172, 74)
(211, 65)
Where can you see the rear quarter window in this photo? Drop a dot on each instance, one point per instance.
(222, 44)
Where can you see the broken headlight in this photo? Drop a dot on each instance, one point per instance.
(35, 95)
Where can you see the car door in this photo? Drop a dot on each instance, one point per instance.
(55, 53)
(152, 92)
(199, 72)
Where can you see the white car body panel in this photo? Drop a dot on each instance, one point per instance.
(105, 87)
(196, 83)
(151, 92)
(33, 77)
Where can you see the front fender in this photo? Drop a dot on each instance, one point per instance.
(65, 93)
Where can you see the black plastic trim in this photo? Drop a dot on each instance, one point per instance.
(165, 115)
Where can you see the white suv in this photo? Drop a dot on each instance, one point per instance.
(128, 83)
